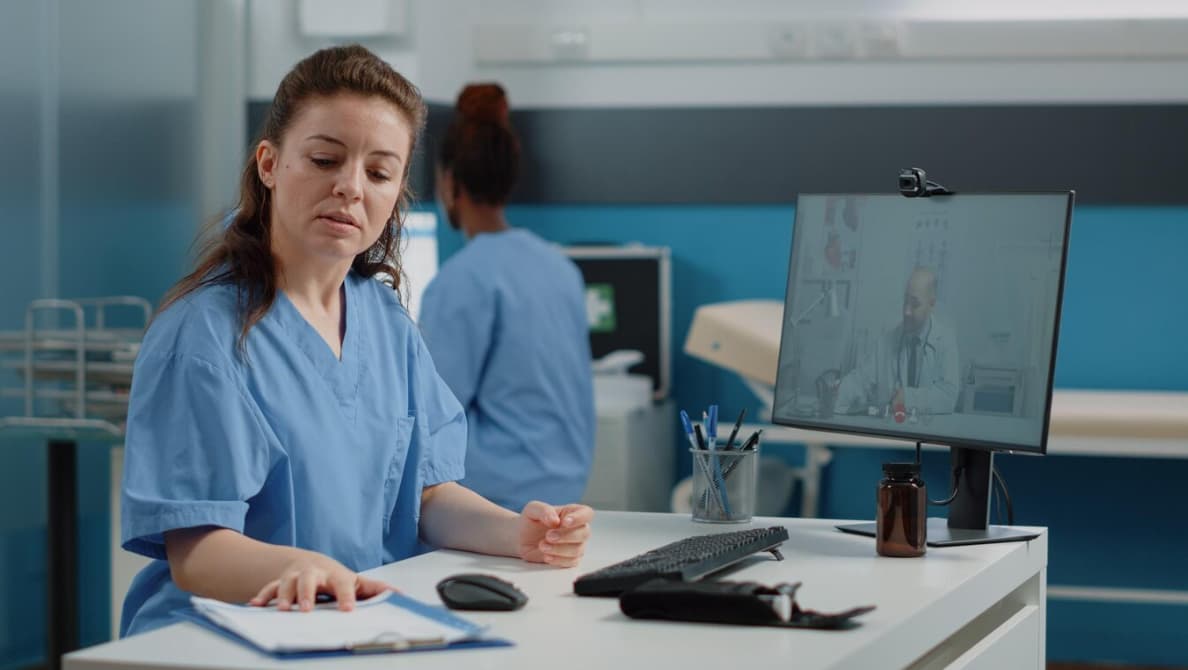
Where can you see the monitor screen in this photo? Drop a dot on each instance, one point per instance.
(931, 319)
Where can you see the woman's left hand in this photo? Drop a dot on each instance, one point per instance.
(554, 535)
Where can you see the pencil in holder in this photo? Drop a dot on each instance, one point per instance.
(724, 484)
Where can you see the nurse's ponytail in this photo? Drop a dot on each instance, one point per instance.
(480, 148)
(238, 248)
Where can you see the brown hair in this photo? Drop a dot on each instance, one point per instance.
(480, 148)
(242, 253)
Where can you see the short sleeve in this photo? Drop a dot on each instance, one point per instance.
(194, 452)
(440, 423)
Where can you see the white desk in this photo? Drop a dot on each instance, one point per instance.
(969, 607)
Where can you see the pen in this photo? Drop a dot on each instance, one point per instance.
(750, 444)
(688, 426)
(694, 440)
(700, 439)
(734, 432)
(712, 426)
(720, 479)
(752, 441)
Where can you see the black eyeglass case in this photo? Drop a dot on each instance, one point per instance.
(737, 603)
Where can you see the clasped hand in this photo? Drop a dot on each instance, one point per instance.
(554, 535)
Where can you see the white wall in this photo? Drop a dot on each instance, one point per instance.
(552, 53)
(275, 44)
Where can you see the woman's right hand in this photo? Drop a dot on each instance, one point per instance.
(301, 582)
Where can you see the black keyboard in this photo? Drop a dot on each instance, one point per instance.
(686, 560)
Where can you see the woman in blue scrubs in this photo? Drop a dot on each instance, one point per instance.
(287, 428)
(505, 319)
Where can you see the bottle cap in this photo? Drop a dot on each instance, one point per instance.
(901, 469)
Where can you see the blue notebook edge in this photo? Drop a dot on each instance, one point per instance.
(438, 614)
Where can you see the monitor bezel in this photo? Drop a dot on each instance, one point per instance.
(928, 438)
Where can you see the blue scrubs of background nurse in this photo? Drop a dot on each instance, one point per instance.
(287, 428)
(505, 320)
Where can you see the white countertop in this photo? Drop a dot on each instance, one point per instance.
(921, 602)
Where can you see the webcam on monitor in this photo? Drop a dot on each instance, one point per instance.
(913, 183)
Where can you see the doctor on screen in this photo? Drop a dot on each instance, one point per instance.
(914, 365)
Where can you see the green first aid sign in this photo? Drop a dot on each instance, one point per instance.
(600, 307)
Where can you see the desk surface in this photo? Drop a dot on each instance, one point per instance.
(921, 602)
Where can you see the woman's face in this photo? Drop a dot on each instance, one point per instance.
(336, 177)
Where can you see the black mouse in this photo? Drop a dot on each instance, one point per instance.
(480, 592)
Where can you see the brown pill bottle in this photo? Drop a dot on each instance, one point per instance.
(902, 511)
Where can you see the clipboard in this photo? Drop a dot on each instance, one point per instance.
(404, 625)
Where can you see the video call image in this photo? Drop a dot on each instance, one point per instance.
(926, 317)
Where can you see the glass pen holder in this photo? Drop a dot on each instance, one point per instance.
(724, 484)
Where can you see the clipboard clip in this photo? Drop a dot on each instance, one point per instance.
(388, 642)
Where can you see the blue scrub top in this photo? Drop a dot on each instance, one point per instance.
(505, 318)
(291, 446)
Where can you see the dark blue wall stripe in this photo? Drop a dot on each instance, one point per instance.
(1130, 154)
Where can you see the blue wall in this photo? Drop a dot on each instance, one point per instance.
(1114, 521)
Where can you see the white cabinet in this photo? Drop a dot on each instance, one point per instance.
(634, 459)
(124, 564)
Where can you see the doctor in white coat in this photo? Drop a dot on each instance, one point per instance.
(913, 366)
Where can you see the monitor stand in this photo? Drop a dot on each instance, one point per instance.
(969, 513)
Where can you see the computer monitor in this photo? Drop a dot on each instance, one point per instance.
(930, 319)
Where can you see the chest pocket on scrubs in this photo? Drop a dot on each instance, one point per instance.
(402, 434)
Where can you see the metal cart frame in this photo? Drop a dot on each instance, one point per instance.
(84, 356)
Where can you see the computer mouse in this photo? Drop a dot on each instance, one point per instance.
(480, 592)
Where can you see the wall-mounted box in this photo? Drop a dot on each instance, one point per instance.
(352, 18)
